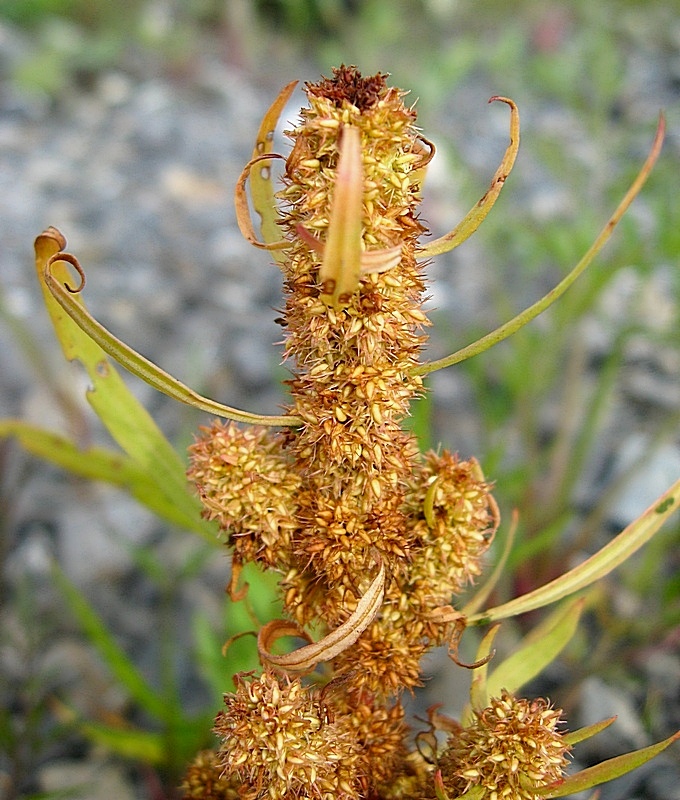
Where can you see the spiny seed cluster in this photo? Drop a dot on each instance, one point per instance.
(205, 779)
(282, 740)
(322, 502)
(512, 749)
(318, 502)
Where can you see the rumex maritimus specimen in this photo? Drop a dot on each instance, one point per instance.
(373, 540)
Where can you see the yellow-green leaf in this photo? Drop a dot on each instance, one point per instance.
(474, 218)
(118, 662)
(606, 770)
(95, 339)
(115, 468)
(479, 690)
(538, 649)
(592, 569)
(581, 734)
(522, 319)
(261, 186)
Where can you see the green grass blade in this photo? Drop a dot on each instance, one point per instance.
(111, 467)
(147, 747)
(119, 664)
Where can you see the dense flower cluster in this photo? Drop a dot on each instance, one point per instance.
(281, 740)
(511, 750)
(347, 488)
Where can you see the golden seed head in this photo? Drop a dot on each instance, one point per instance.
(204, 780)
(246, 483)
(282, 740)
(456, 521)
(511, 749)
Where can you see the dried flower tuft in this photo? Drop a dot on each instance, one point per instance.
(511, 750)
(205, 779)
(282, 740)
(246, 483)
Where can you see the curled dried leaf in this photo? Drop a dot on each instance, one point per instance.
(305, 658)
(243, 218)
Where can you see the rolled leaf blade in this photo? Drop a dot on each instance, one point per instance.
(341, 266)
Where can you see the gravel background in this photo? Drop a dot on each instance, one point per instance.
(138, 171)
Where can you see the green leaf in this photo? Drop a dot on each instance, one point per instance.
(522, 319)
(483, 592)
(120, 665)
(159, 748)
(90, 342)
(580, 735)
(147, 747)
(126, 419)
(539, 648)
(607, 770)
(111, 467)
(261, 185)
(477, 214)
(479, 691)
(592, 569)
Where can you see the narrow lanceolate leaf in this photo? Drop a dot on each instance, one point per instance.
(538, 649)
(341, 266)
(592, 569)
(118, 662)
(484, 591)
(54, 277)
(607, 770)
(260, 165)
(307, 657)
(474, 218)
(513, 325)
(126, 419)
(479, 690)
(110, 467)
(581, 734)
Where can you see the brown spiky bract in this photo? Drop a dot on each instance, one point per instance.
(321, 503)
